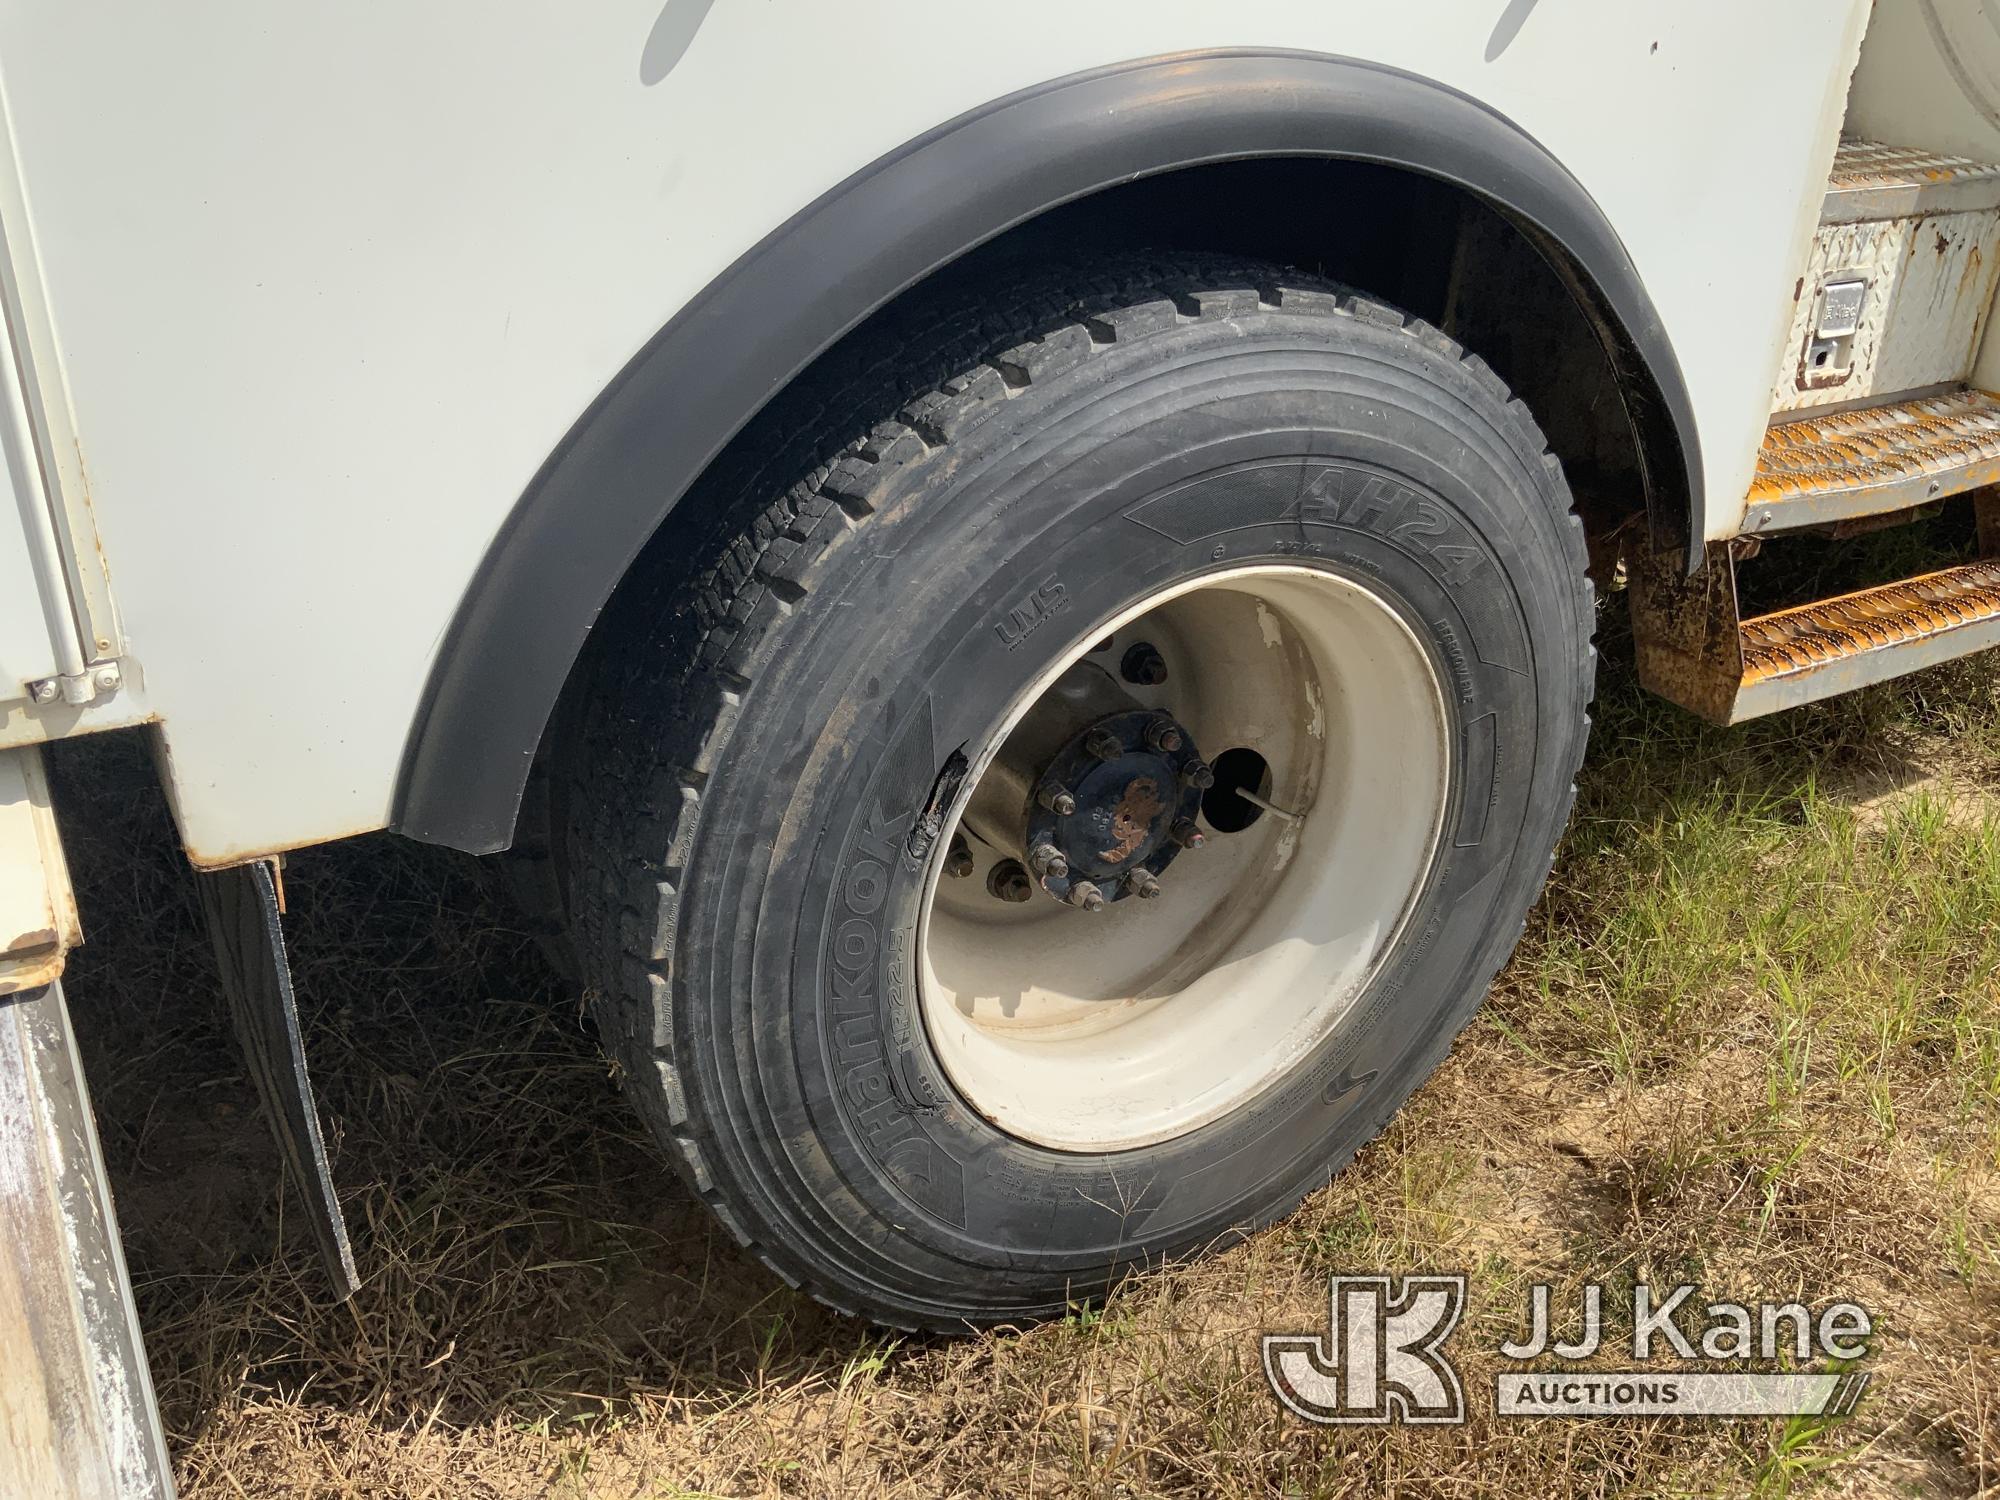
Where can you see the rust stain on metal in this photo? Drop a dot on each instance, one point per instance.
(1686, 644)
(223, 859)
(31, 972)
(1691, 651)
(1133, 819)
(1812, 635)
(45, 937)
(88, 503)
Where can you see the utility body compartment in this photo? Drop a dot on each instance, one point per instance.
(1895, 296)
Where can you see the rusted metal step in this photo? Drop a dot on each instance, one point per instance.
(1693, 651)
(1873, 423)
(1874, 460)
(1817, 650)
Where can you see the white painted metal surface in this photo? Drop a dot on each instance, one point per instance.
(26, 652)
(37, 637)
(328, 285)
(44, 468)
(1929, 76)
(38, 921)
(1113, 1029)
(23, 722)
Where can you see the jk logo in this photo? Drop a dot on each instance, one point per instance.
(1380, 1361)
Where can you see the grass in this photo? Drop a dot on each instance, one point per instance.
(1751, 1039)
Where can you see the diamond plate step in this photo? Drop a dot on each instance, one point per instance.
(1874, 460)
(1692, 649)
(1874, 181)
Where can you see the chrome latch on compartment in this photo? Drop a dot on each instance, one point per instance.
(1830, 352)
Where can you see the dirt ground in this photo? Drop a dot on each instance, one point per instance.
(1752, 1039)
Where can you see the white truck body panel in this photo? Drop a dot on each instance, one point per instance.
(38, 638)
(1930, 77)
(26, 653)
(329, 286)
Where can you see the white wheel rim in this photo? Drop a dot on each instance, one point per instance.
(1109, 1030)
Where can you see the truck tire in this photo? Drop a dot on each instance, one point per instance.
(1084, 759)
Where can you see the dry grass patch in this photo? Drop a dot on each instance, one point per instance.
(1752, 1040)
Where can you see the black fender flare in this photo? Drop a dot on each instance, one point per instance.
(619, 471)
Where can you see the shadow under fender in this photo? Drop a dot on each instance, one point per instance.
(605, 491)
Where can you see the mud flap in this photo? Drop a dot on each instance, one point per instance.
(241, 905)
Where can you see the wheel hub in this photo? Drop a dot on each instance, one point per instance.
(1091, 796)
(1133, 780)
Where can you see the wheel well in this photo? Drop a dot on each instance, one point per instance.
(1431, 247)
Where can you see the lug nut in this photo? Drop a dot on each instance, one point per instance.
(1103, 744)
(958, 858)
(1187, 835)
(1143, 665)
(1086, 896)
(1142, 884)
(1164, 735)
(1047, 859)
(1009, 881)
(1197, 774)
(1057, 800)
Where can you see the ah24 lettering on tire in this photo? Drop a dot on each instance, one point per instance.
(1056, 814)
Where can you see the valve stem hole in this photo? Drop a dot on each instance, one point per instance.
(1239, 769)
